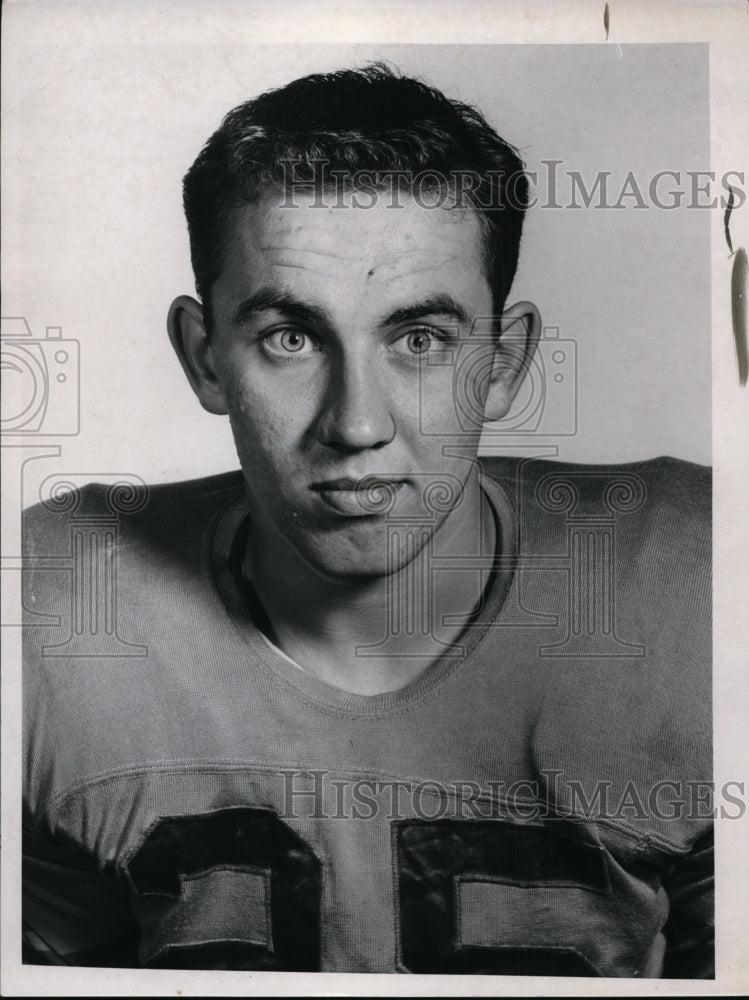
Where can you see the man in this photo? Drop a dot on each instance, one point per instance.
(397, 709)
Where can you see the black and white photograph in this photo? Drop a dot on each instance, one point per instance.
(374, 479)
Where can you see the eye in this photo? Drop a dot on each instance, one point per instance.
(420, 341)
(292, 341)
(288, 344)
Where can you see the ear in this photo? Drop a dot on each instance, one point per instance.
(520, 331)
(190, 340)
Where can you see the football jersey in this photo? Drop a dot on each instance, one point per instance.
(534, 802)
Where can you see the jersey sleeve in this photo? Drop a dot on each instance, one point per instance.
(690, 937)
(72, 913)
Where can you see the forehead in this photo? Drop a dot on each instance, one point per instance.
(334, 243)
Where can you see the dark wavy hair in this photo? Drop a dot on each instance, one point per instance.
(371, 119)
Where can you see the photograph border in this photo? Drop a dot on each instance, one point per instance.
(724, 25)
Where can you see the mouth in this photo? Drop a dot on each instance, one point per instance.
(369, 496)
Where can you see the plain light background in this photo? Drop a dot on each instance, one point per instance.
(105, 132)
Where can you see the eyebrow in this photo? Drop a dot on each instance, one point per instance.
(270, 299)
(434, 305)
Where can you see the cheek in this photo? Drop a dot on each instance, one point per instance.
(271, 401)
(432, 411)
(471, 384)
(251, 399)
(257, 424)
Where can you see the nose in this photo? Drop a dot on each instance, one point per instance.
(357, 413)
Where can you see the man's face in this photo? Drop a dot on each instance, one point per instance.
(334, 345)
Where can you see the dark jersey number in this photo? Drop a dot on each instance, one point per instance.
(239, 889)
(226, 850)
(436, 859)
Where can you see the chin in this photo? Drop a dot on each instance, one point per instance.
(352, 569)
(345, 560)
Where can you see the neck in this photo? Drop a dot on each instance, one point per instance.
(376, 634)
